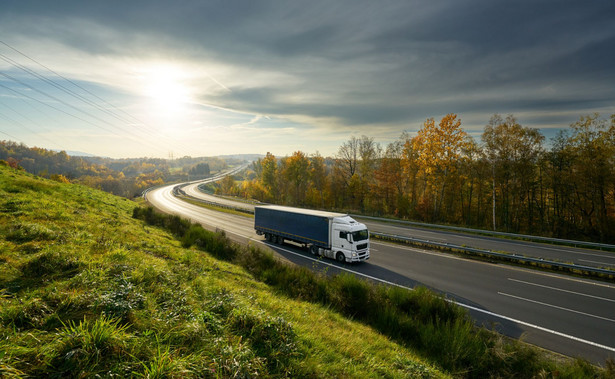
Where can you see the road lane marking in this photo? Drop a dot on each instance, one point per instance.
(493, 314)
(560, 289)
(520, 243)
(506, 267)
(600, 263)
(556, 307)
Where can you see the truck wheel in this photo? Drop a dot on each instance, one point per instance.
(314, 250)
(268, 237)
(280, 240)
(340, 257)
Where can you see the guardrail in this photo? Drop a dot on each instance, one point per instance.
(574, 243)
(489, 253)
(178, 191)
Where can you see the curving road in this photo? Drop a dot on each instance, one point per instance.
(563, 314)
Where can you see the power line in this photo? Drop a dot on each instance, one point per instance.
(31, 121)
(132, 119)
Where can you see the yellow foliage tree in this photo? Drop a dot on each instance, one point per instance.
(439, 148)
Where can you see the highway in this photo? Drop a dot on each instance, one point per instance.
(558, 253)
(572, 316)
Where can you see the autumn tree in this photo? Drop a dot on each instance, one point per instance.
(513, 151)
(391, 183)
(319, 182)
(269, 173)
(227, 186)
(295, 172)
(591, 146)
(439, 149)
(354, 169)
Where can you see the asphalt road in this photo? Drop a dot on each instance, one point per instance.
(567, 254)
(567, 315)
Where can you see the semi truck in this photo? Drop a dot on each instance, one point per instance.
(332, 235)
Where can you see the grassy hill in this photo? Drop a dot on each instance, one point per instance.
(88, 290)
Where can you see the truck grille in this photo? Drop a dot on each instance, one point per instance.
(362, 246)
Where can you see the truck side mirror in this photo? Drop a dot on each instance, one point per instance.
(349, 237)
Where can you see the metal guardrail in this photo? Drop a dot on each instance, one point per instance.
(574, 243)
(490, 253)
(178, 191)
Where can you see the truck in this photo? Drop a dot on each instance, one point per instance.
(332, 235)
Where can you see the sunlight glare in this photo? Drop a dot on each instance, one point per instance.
(165, 87)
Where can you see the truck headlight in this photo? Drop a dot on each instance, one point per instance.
(354, 254)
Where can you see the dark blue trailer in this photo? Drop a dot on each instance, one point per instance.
(299, 225)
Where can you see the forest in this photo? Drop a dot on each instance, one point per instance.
(122, 177)
(511, 180)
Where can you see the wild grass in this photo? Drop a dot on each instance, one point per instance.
(86, 290)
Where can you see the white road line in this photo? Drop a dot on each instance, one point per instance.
(556, 307)
(561, 290)
(516, 243)
(600, 263)
(537, 327)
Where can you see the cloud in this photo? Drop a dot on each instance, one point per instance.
(353, 66)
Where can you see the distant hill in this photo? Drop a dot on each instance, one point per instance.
(76, 153)
(243, 157)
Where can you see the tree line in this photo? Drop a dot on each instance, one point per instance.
(510, 180)
(122, 177)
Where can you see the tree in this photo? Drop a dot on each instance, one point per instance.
(592, 146)
(354, 167)
(296, 173)
(439, 149)
(227, 186)
(269, 173)
(391, 183)
(513, 151)
(200, 169)
(318, 181)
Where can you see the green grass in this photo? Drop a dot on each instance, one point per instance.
(86, 290)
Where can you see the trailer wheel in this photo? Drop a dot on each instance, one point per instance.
(268, 237)
(280, 240)
(340, 257)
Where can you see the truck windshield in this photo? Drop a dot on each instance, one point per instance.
(360, 235)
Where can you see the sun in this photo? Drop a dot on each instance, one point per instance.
(166, 89)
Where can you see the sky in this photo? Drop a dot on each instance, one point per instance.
(201, 78)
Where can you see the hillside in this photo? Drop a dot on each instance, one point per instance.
(87, 290)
